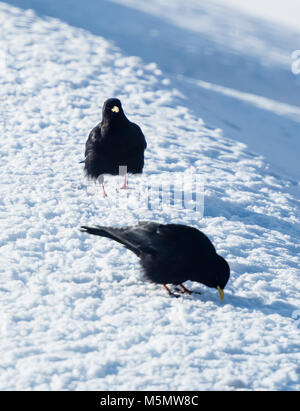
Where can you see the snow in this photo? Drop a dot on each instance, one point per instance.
(76, 314)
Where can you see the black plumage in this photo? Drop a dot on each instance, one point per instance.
(171, 253)
(114, 142)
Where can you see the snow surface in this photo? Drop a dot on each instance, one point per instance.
(75, 312)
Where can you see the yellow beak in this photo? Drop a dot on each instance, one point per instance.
(115, 109)
(221, 292)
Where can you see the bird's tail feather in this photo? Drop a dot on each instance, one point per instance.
(113, 235)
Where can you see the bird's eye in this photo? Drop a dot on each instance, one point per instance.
(115, 109)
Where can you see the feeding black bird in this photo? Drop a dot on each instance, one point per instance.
(171, 254)
(115, 142)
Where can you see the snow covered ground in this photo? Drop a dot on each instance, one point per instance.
(75, 312)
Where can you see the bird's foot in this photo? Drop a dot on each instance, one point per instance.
(184, 290)
(170, 292)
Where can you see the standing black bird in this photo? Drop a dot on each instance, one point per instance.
(113, 143)
(171, 254)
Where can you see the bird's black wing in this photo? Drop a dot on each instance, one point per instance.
(152, 238)
(137, 238)
(141, 137)
(137, 138)
(186, 237)
(93, 140)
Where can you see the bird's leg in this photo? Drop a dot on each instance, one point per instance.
(101, 181)
(103, 190)
(124, 186)
(123, 172)
(169, 291)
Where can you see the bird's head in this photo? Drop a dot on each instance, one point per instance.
(112, 109)
(214, 273)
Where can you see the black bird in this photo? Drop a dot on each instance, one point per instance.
(113, 143)
(171, 254)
